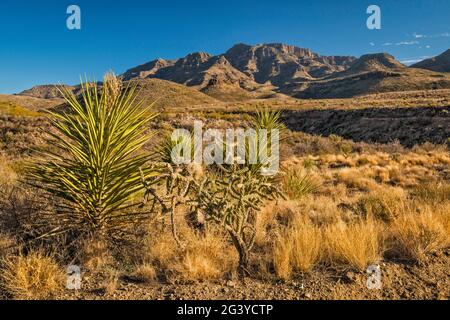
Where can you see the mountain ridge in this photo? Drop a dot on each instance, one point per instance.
(253, 71)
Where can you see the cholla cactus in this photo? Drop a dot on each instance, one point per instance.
(232, 198)
(169, 189)
(230, 195)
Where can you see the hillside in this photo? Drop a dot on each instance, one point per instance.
(48, 91)
(30, 103)
(441, 63)
(374, 73)
(167, 95)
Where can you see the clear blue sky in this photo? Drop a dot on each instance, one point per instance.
(37, 48)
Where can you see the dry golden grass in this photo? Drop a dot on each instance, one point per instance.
(297, 248)
(355, 245)
(433, 192)
(415, 235)
(6, 242)
(146, 273)
(34, 276)
(204, 257)
(282, 258)
(281, 212)
(383, 203)
(110, 283)
(7, 174)
(306, 246)
(368, 204)
(95, 255)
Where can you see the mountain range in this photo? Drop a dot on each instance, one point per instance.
(273, 70)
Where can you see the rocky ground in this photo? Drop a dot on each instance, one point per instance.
(429, 280)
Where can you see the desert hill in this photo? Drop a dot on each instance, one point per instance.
(164, 95)
(167, 95)
(441, 63)
(49, 91)
(27, 103)
(373, 73)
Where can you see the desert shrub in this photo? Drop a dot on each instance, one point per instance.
(22, 209)
(414, 235)
(34, 276)
(355, 245)
(232, 199)
(92, 166)
(432, 192)
(356, 179)
(309, 163)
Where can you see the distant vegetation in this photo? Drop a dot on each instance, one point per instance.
(12, 109)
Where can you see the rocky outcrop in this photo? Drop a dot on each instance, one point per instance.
(409, 126)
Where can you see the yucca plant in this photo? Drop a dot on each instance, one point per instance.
(92, 165)
(265, 120)
(299, 183)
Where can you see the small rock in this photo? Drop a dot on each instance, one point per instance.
(350, 276)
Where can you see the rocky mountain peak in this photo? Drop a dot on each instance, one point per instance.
(196, 58)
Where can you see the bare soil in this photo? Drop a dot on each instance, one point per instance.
(429, 280)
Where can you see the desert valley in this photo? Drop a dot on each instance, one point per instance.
(364, 182)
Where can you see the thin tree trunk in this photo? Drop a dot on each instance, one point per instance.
(243, 254)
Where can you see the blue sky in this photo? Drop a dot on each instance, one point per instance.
(37, 48)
